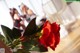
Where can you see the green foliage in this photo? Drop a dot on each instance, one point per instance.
(16, 33)
(42, 48)
(30, 45)
(31, 28)
(11, 37)
(2, 38)
(8, 33)
(14, 44)
(21, 51)
(32, 34)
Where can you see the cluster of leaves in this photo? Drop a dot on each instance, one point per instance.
(31, 33)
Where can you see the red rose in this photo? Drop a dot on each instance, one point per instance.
(50, 36)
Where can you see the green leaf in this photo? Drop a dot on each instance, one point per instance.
(31, 28)
(15, 44)
(30, 45)
(42, 48)
(8, 33)
(2, 38)
(22, 51)
(16, 32)
(33, 45)
(39, 28)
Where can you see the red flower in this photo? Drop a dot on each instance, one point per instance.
(51, 36)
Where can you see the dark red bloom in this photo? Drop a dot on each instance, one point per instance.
(51, 36)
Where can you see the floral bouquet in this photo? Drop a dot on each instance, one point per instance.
(33, 38)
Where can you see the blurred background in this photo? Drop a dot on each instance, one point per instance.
(67, 14)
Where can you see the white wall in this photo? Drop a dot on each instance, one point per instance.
(49, 8)
(67, 16)
(16, 3)
(58, 4)
(35, 5)
(75, 6)
(5, 18)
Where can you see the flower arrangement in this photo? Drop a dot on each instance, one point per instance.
(33, 38)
